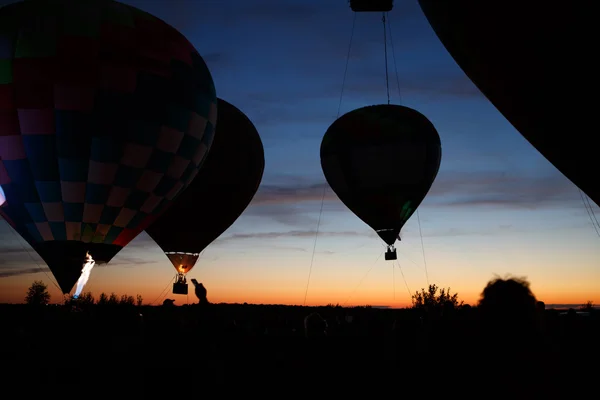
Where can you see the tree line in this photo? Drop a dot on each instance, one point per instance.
(38, 294)
(432, 298)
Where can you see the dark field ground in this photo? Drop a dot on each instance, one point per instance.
(150, 351)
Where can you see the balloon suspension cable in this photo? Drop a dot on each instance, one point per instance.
(394, 280)
(590, 211)
(389, 26)
(312, 258)
(423, 247)
(346, 67)
(41, 269)
(363, 278)
(387, 78)
(163, 293)
(405, 282)
(394, 57)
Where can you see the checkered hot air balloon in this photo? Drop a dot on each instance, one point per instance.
(106, 115)
(381, 161)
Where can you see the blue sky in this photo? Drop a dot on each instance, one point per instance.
(497, 206)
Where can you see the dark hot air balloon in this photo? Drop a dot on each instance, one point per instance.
(381, 161)
(216, 198)
(106, 114)
(536, 64)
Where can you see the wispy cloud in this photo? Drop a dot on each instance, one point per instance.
(129, 262)
(451, 189)
(500, 189)
(6, 272)
(288, 234)
(279, 194)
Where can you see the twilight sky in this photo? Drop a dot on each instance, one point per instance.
(497, 206)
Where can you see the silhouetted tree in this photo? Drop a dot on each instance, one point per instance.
(127, 300)
(113, 300)
(86, 299)
(588, 306)
(435, 298)
(103, 299)
(37, 294)
(139, 300)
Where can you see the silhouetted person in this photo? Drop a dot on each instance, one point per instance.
(315, 326)
(541, 306)
(169, 303)
(541, 316)
(509, 336)
(508, 310)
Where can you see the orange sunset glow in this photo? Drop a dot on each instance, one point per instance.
(496, 208)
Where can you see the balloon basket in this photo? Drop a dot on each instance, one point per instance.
(180, 288)
(390, 254)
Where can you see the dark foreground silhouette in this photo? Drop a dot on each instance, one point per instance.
(507, 346)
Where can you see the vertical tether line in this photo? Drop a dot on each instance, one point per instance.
(312, 258)
(394, 58)
(404, 279)
(387, 79)
(400, 99)
(423, 248)
(40, 268)
(394, 279)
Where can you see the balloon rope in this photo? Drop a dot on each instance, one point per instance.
(362, 279)
(312, 258)
(387, 79)
(346, 68)
(405, 283)
(18, 239)
(590, 211)
(423, 248)
(394, 279)
(394, 58)
(163, 292)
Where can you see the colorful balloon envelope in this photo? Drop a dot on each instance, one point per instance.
(536, 64)
(381, 161)
(106, 114)
(219, 194)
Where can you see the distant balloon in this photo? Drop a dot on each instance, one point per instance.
(381, 161)
(537, 65)
(219, 194)
(106, 114)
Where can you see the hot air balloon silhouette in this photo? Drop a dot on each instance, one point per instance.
(216, 198)
(536, 65)
(106, 114)
(381, 161)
